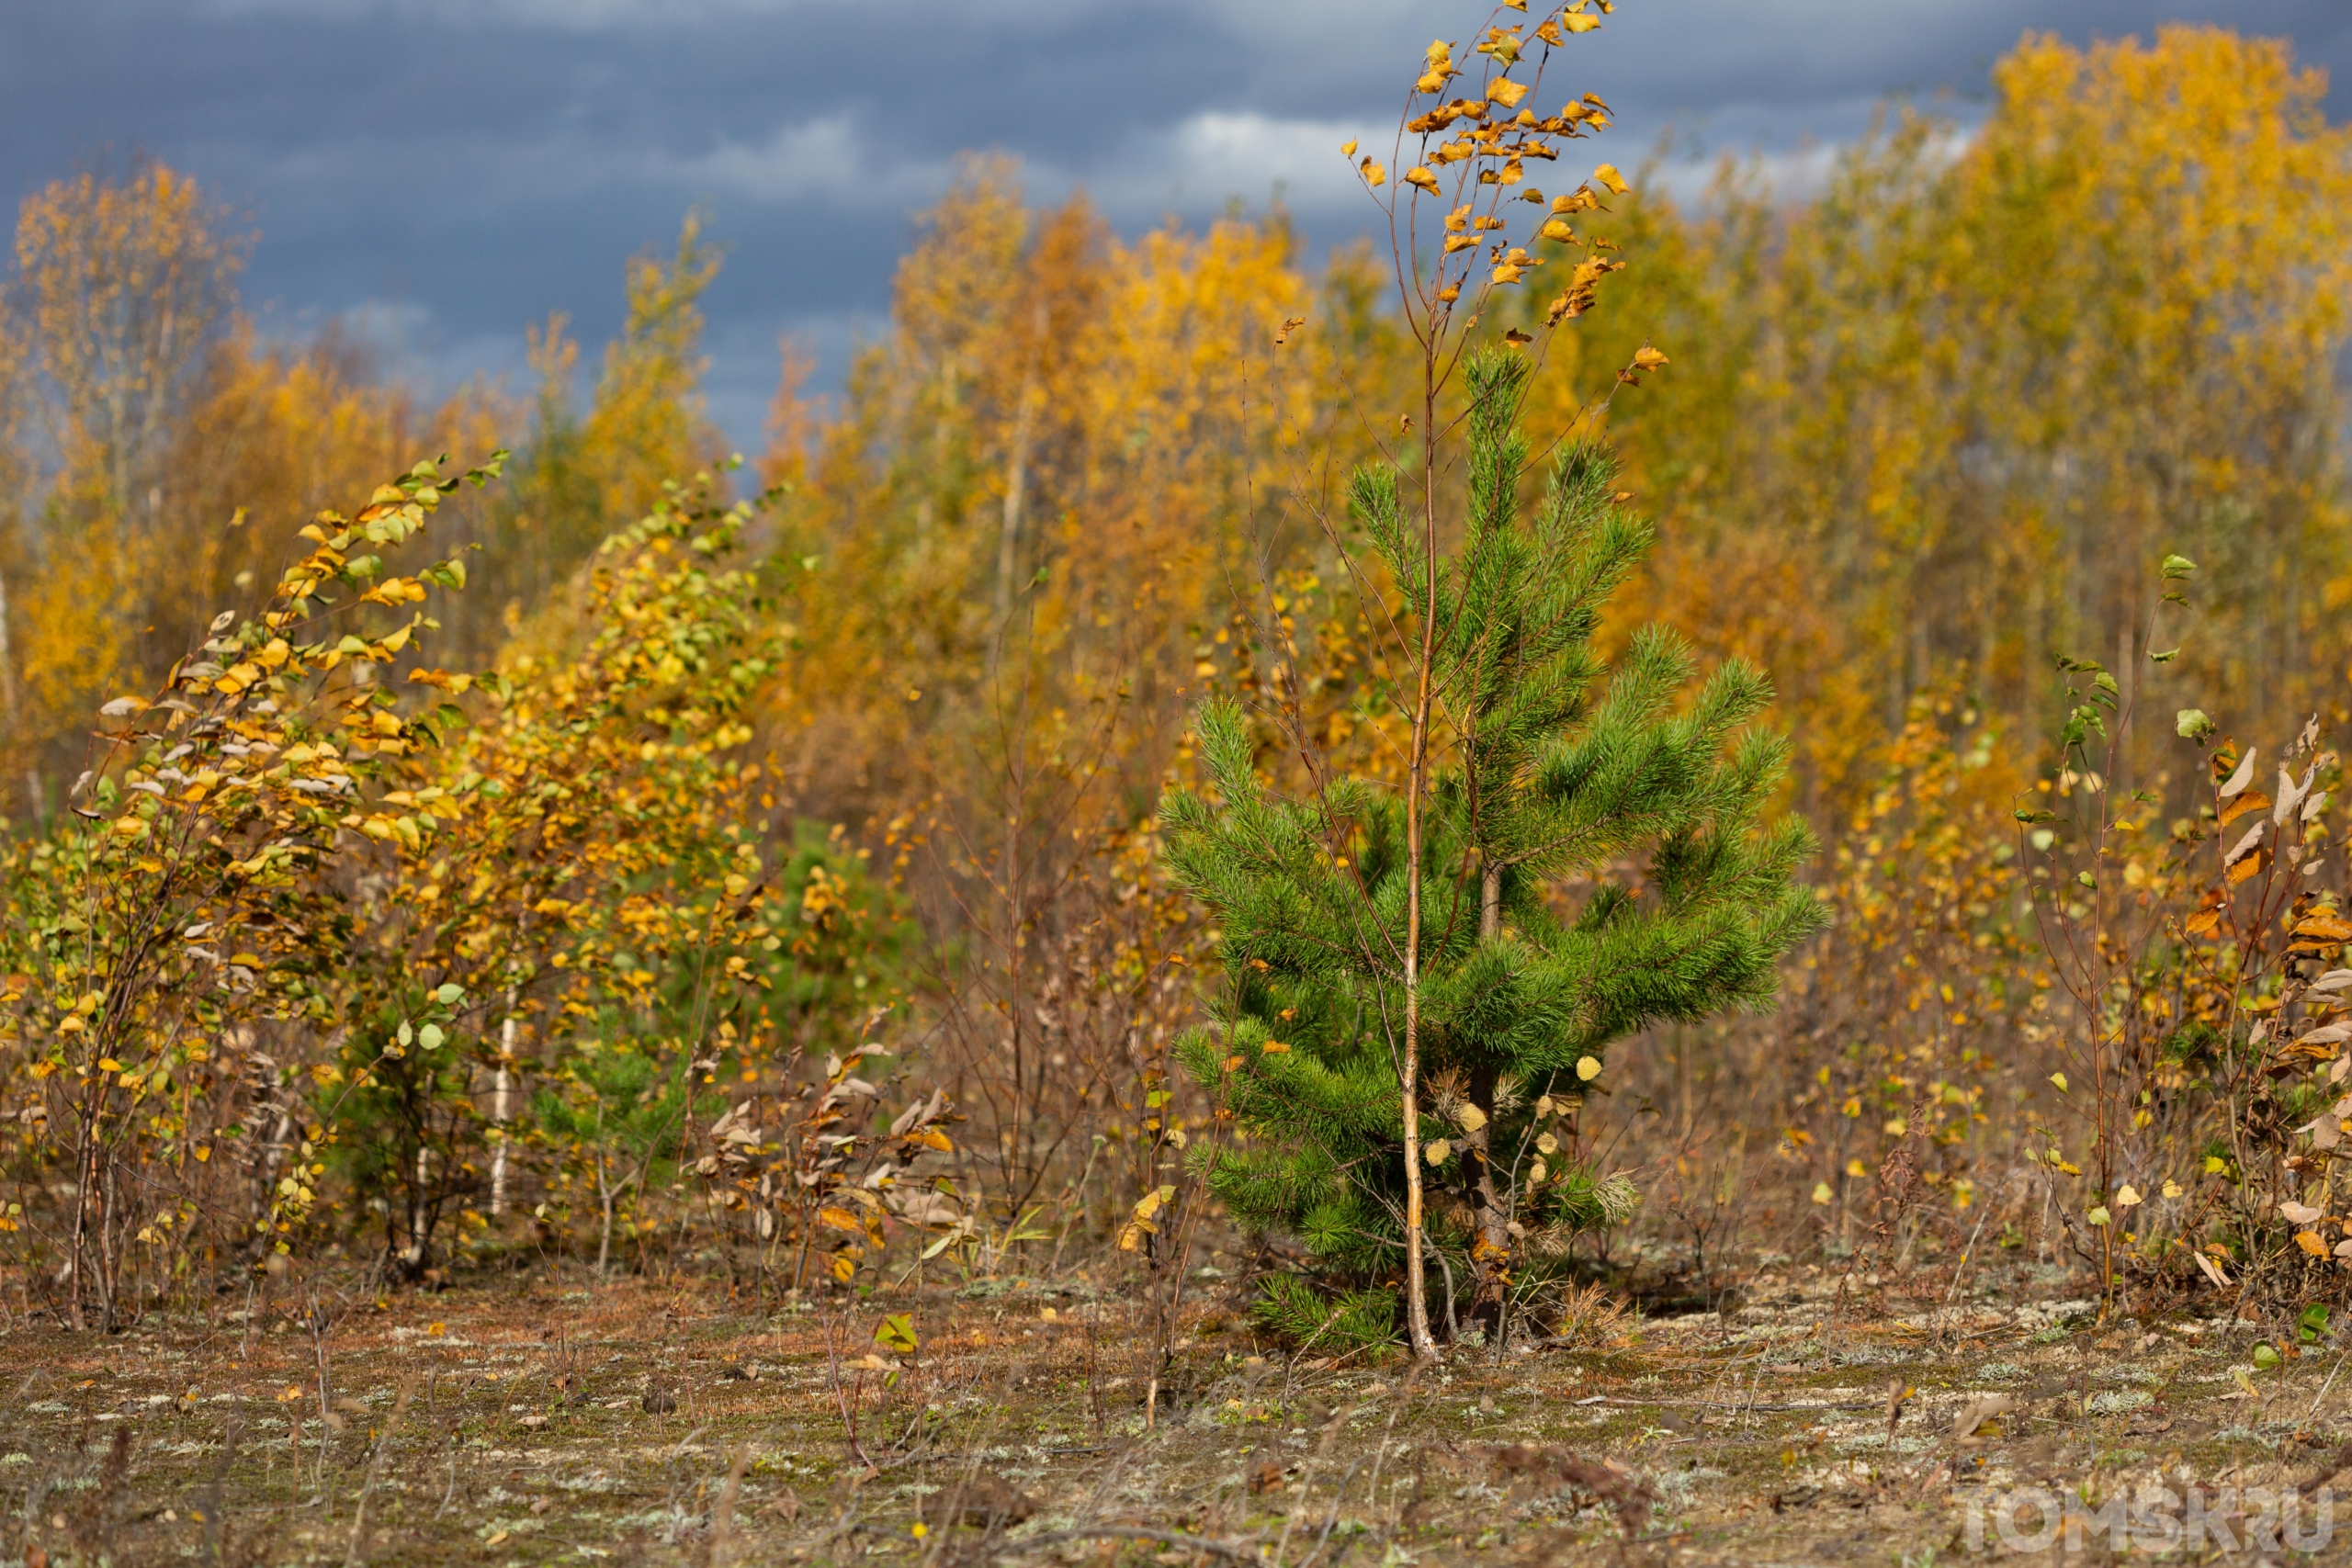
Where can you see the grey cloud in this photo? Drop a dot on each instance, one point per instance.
(459, 167)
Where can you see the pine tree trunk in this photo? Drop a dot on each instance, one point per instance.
(1492, 1252)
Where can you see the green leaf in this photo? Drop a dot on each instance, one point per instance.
(2178, 567)
(450, 995)
(2167, 657)
(896, 1333)
(2190, 724)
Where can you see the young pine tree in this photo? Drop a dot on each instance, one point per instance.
(1556, 770)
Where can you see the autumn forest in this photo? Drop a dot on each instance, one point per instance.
(1581, 805)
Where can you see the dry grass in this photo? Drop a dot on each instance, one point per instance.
(633, 1424)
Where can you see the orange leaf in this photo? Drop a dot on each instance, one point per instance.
(2252, 800)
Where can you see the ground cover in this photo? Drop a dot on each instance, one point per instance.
(1816, 1417)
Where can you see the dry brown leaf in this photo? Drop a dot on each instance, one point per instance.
(1985, 1408)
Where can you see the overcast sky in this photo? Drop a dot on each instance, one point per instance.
(444, 171)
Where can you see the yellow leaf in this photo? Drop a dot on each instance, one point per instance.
(1647, 358)
(1505, 92)
(1461, 243)
(1559, 231)
(1273, 1048)
(1609, 176)
(2311, 1242)
(1375, 175)
(1578, 23)
(1420, 176)
(1139, 1223)
(1588, 1068)
(1348, 148)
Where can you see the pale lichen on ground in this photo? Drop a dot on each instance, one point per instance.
(527, 1425)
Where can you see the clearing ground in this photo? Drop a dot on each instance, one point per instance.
(534, 1423)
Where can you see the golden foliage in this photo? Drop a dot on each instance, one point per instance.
(1968, 394)
(1048, 474)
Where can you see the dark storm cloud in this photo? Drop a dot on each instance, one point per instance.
(451, 169)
